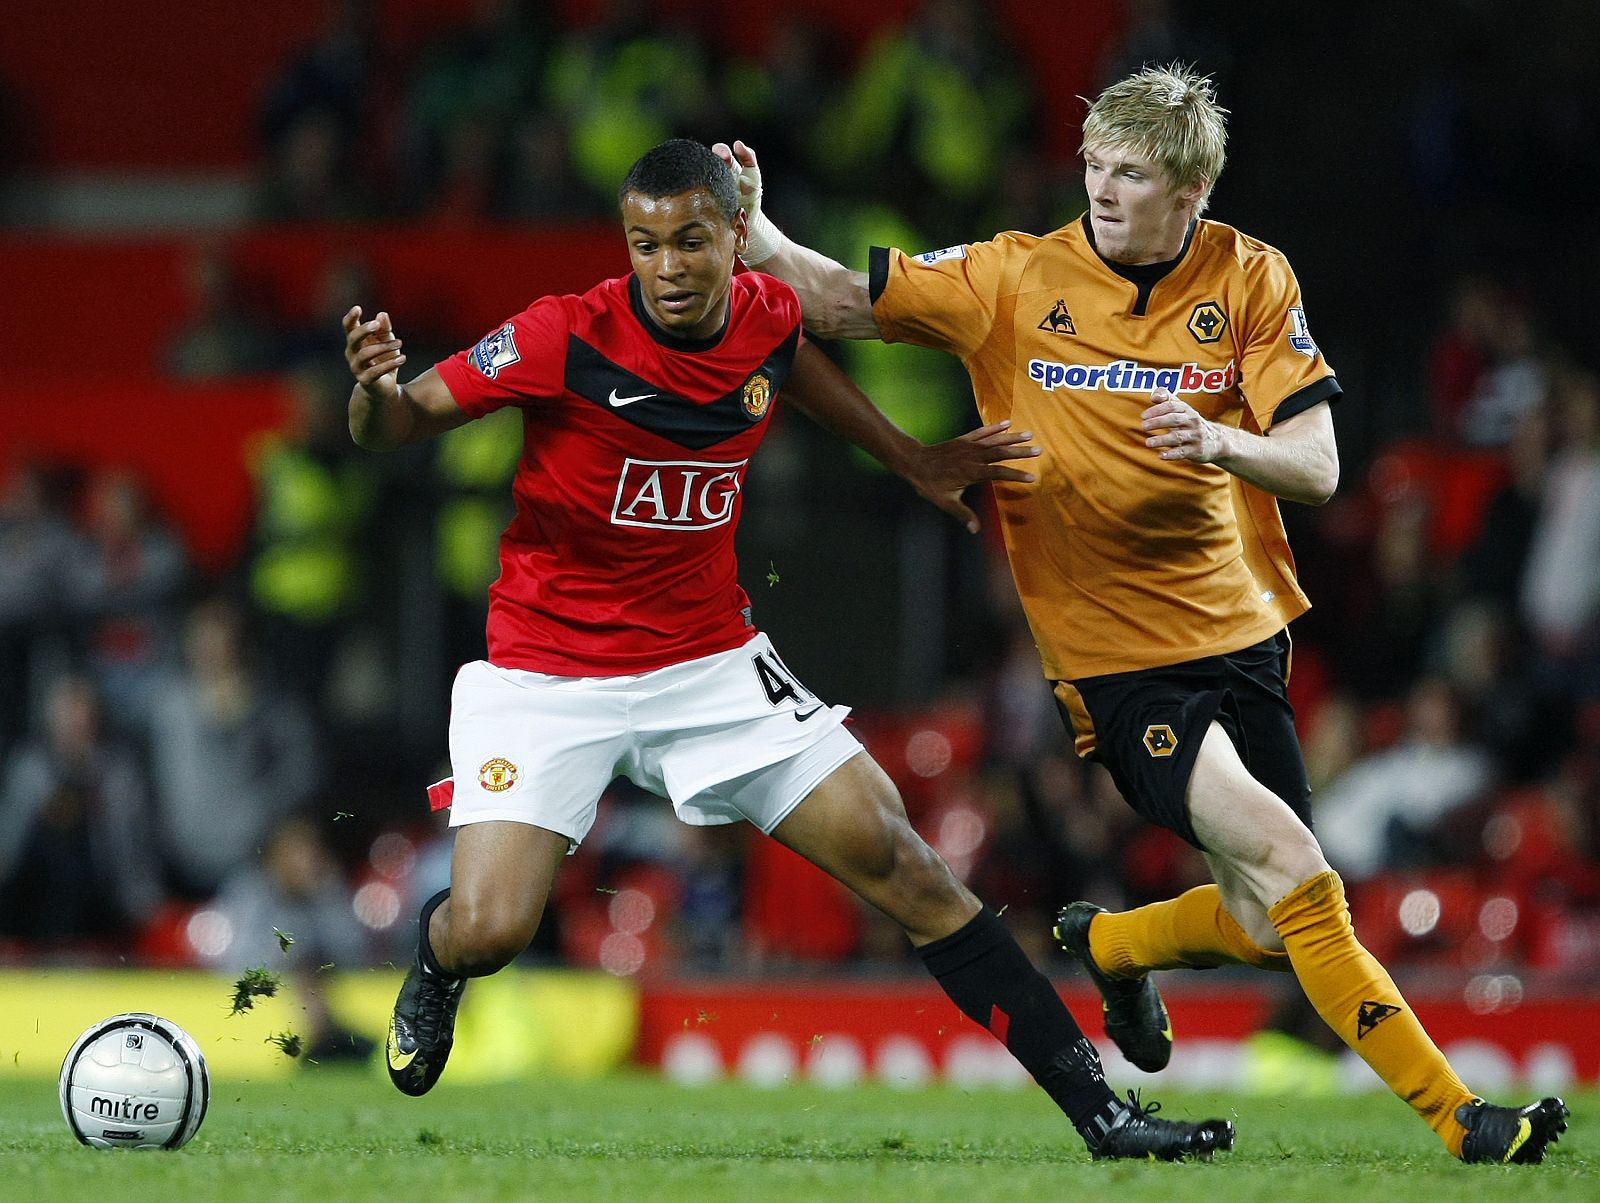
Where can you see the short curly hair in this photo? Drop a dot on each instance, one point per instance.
(682, 165)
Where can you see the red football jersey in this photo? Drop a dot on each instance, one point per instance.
(620, 556)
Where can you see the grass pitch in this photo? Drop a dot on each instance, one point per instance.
(338, 1136)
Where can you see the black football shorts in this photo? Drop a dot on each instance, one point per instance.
(1145, 726)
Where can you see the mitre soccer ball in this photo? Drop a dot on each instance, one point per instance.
(135, 1081)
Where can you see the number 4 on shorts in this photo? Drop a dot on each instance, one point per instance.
(776, 679)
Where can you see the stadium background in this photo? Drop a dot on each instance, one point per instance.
(212, 607)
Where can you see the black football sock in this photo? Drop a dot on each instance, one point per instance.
(988, 976)
(424, 945)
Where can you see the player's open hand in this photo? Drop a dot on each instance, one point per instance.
(942, 472)
(1179, 431)
(741, 159)
(373, 352)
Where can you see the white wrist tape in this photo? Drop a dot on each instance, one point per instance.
(762, 240)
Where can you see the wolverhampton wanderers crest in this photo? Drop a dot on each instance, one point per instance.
(1159, 740)
(1207, 322)
(757, 395)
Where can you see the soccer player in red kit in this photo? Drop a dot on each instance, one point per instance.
(620, 642)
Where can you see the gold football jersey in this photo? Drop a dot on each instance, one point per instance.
(1124, 560)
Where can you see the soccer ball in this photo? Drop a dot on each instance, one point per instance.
(135, 1081)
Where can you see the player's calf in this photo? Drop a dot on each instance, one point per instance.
(422, 1027)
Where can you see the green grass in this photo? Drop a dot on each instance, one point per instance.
(339, 1136)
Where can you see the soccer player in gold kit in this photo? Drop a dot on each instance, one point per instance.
(1164, 364)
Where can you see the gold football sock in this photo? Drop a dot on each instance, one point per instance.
(1191, 931)
(1358, 999)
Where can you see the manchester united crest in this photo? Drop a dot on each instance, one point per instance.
(757, 395)
(497, 775)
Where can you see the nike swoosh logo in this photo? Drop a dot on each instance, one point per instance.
(800, 718)
(618, 402)
(398, 1060)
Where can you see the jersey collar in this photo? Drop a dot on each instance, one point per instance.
(1143, 276)
(636, 300)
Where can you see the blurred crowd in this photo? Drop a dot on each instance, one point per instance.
(517, 115)
(196, 765)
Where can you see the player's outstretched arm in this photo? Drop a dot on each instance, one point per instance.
(383, 413)
(834, 299)
(940, 473)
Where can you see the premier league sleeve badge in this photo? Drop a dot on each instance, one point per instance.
(496, 351)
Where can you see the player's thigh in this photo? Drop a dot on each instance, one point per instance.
(501, 874)
(1147, 728)
(1270, 745)
(530, 755)
(1241, 822)
(853, 826)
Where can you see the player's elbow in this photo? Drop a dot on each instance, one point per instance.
(361, 433)
(368, 443)
(819, 325)
(835, 303)
(364, 433)
(1323, 481)
(1329, 479)
(375, 426)
(842, 314)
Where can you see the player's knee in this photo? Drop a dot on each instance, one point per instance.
(1251, 915)
(885, 847)
(1264, 858)
(486, 938)
(893, 857)
(921, 876)
(925, 897)
(1294, 857)
(1303, 854)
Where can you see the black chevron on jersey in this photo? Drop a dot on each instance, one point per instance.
(695, 425)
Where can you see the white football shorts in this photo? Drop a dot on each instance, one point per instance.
(726, 737)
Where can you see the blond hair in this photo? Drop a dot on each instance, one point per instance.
(1168, 115)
